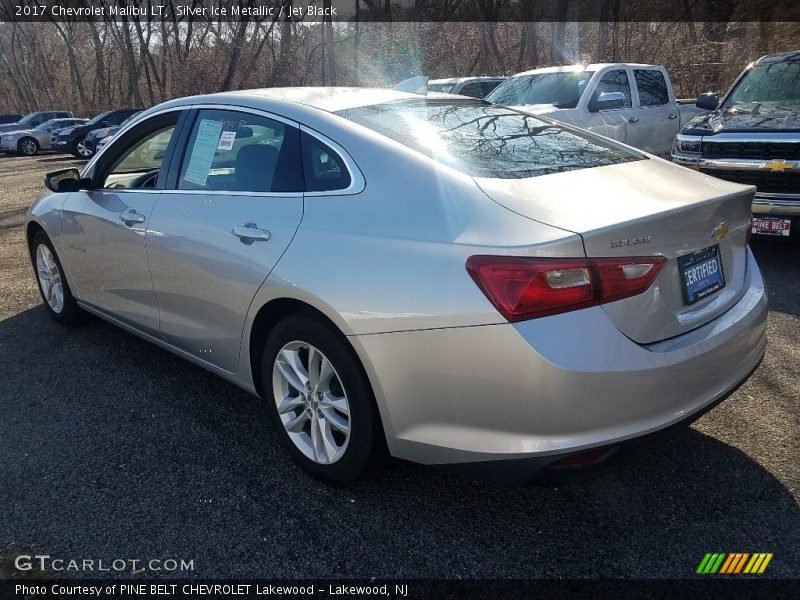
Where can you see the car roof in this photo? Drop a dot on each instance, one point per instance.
(780, 57)
(303, 104)
(581, 67)
(329, 99)
(462, 79)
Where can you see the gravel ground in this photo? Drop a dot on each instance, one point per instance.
(112, 448)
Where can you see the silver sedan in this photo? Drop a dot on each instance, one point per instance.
(432, 277)
(31, 141)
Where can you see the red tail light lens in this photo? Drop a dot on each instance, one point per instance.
(524, 288)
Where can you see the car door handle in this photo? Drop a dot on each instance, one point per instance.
(672, 116)
(131, 217)
(633, 119)
(249, 233)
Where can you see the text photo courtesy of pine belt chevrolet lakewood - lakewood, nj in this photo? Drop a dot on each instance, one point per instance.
(368, 300)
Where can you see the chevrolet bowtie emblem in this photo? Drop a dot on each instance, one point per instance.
(776, 165)
(719, 231)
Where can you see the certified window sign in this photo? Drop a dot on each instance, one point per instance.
(772, 226)
(701, 274)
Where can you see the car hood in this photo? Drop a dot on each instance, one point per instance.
(9, 127)
(16, 132)
(75, 129)
(538, 109)
(763, 118)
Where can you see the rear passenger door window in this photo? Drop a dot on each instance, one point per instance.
(652, 87)
(241, 152)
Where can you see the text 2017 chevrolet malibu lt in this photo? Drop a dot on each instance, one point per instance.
(440, 277)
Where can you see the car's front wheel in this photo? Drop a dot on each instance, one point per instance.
(82, 150)
(28, 146)
(320, 401)
(53, 286)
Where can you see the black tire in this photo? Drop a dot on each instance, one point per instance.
(366, 448)
(70, 313)
(28, 146)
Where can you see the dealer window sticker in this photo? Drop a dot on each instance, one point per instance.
(226, 140)
(205, 146)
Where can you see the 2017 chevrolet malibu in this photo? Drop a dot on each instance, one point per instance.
(450, 280)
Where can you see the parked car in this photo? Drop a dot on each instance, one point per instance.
(35, 119)
(9, 119)
(753, 137)
(31, 141)
(631, 103)
(71, 140)
(475, 87)
(503, 293)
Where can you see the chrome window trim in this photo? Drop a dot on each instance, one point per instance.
(357, 182)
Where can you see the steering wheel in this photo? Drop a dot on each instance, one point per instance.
(143, 181)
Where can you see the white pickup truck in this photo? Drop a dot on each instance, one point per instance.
(631, 103)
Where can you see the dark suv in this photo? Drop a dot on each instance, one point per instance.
(752, 136)
(71, 140)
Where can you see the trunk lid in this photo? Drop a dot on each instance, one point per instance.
(645, 208)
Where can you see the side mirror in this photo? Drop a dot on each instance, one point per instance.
(707, 101)
(65, 180)
(607, 101)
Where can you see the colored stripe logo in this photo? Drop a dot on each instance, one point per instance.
(734, 563)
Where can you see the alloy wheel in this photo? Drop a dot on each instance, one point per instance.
(49, 278)
(83, 150)
(311, 402)
(28, 147)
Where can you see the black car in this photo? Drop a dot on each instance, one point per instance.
(71, 140)
(752, 136)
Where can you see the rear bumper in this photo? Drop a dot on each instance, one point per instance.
(533, 392)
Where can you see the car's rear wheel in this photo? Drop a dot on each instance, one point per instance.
(82, 150)
(28, 146)
(320, 401)
(53, 286)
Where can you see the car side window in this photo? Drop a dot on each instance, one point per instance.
(474, 90)
(324, 169)
(140, 163)
(615, 81)
(241, 152)
(652, 87)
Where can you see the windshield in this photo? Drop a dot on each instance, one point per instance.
(559, 89)
(776, 84)
(27, 119)
(98, 118)
(46, 125)
(484, 140)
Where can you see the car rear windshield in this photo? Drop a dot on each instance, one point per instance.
(485, 140)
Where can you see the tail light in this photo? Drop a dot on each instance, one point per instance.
(524, 288)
